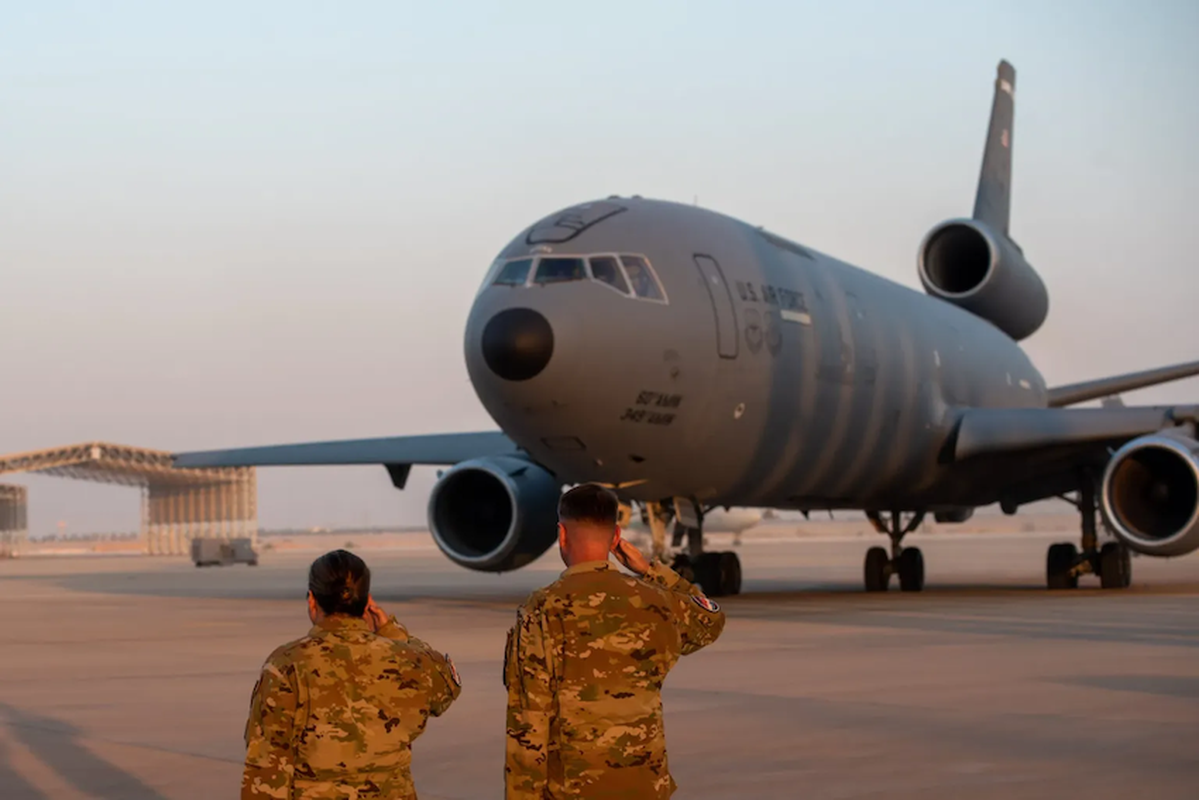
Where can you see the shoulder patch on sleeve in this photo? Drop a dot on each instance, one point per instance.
(705, 603)
(453, 670)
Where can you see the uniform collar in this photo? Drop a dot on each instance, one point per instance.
(587, 566)
(341, 623)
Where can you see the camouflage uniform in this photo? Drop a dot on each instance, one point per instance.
(584, 667)
(334, 714)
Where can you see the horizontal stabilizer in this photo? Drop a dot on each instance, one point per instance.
(1093, 390)
(992, 431)
(431, 449)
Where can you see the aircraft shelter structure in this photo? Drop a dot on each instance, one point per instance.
(178, 505)
(14, 527)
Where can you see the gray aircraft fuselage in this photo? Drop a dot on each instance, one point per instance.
(769, 374)
(692, 361)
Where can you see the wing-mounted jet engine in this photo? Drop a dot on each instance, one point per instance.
(973, 263)
(966, 263)
(1150, 494)
(494, 514)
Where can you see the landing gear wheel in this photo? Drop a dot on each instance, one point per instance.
(730, 573)
(706, 569)
(877, 570)
(1058, 563)
(910, 567)
(718, 574)
(1115, 566)
(682, 565)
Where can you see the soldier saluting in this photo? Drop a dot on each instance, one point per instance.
(585, 663)
(334, 714)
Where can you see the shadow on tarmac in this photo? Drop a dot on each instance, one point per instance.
(57, 745)
(15, 786)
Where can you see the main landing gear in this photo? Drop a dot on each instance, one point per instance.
(1064, 562)
(719, 574)
(906, 562)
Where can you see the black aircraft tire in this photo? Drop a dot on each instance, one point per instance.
(911, 570)
(730, 573)
(1058, 562)
(682, 565)
(707, 574)
(875, 570)
(1115, 567)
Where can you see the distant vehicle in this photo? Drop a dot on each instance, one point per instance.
(692, 362)
(221, 552)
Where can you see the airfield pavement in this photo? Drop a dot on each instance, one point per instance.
(128, 677)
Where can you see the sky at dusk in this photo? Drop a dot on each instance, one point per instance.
(238, 224)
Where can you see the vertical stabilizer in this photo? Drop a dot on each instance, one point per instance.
(992, 204)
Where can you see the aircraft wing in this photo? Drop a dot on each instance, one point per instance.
(1094, 390)
(397, 453)
(1000, 431)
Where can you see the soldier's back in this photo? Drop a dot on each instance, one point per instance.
(360, 700)
(618, 640)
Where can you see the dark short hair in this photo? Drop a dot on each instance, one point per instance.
(340, 582)
(590, 503)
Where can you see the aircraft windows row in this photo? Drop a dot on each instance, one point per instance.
(627, 274)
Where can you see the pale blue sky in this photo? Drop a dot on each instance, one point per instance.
(258, 223)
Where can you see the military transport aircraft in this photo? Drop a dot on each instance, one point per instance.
(691, 361)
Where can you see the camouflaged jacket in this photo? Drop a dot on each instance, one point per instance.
(334, 714)
(584, 669)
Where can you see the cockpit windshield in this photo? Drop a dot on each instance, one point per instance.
(645, 283)
(606, 269)
(560, 270)
(514, 273)
(629, 275)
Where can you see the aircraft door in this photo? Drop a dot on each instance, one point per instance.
(722, 305)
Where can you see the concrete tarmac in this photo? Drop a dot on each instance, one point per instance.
(129, 677)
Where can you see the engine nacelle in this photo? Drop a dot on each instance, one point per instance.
(1150, 495)
(494, 514)
(965, 263)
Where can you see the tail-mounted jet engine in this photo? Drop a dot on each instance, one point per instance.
(494, 514)
(1150, 495)
(964, 262)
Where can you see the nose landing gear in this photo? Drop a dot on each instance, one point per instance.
(906, 562)
(719, 574)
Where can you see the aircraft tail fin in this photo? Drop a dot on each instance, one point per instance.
(992, 203)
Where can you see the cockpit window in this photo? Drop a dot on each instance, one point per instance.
(560, 270)
(606, 269)
(630, 275)
(645, 284)
(514, 273)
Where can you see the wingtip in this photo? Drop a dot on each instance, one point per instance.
(1006, 71)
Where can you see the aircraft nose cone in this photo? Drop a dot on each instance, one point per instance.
(518, 344)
